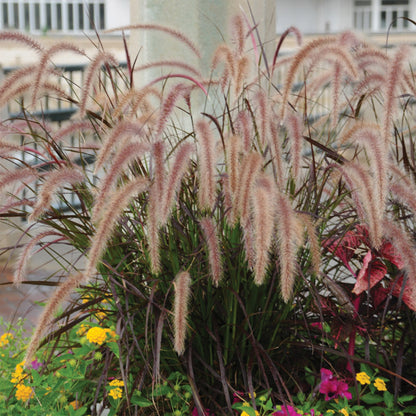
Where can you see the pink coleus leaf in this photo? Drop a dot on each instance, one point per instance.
(344, 247)
(371, 273)
(388, 252)
(408, 295)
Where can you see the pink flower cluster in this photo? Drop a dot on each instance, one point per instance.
(331, 387)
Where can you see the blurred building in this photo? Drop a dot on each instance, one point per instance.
(332, 16)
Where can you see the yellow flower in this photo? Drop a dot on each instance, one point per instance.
(117, 383)
(82, 330)
(23, 392)
(5, 339)
(116, 393)
(18, 374)
(96, 335)
(75, 404)
(363, 378)
(246, 414)
(380, 384)
(344, 411)
(330, 411)
(112, 336)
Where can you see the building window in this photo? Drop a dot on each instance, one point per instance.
(388, 13)
(74, 16)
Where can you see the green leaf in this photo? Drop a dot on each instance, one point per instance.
(388, 399)
(114, 348)
(406, 398)
(409, 410)
(370, 398)
(141, 401)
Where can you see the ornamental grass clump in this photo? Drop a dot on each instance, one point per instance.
(239, 244)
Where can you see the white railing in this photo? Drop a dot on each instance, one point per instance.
(60, 16)
(388, 15)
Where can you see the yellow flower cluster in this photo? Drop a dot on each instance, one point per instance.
(380, 384)
(18, 374)
(5, 339)
(363, 378)
(23, 392)
(243, 413)
(344, 412)
(117, 383)
(100, 335)
(82, 330)
(117, 392)
(96, 335)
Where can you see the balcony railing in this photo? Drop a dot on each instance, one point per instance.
(60, 16)
(388, 15)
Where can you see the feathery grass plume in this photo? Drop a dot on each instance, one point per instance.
(7, 148)
(10, 178)
(168, 105)
(315, 247)
(82, 126)
(22, 38)
(225, 55)
(294, 125)
(289, 239)
(403, 187)
(210, 231)
(298, 35)
(136, 99)
(13, 204)
(367, 204)
(263, 201)
(174, 179)
(155, 201)
(55, 179)
(92, 73)
(252, 164)
(45, 58)
(369, 135)
(61, 293)
(14, 79)
(277, 157)
(404, 244)
(233, 149)
(26, 253)
(370, 85)
(394, 77)
(182, 285)
(237, 30)
(162, 28)
(315, 46)
(263, 112)
(206, 165)
(244, 128)
(169, 63)
(126, 154)
(26, 88)
(110, 214)
(367, 57)
(242, 73)
(121, 129)
(336, 92)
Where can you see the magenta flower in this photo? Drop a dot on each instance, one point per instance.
(35, 364)
(331, 387)
(290, 411)
(206, 412)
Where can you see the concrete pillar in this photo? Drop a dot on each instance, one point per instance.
(206, 23)
(375, 15)
(412, 14)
